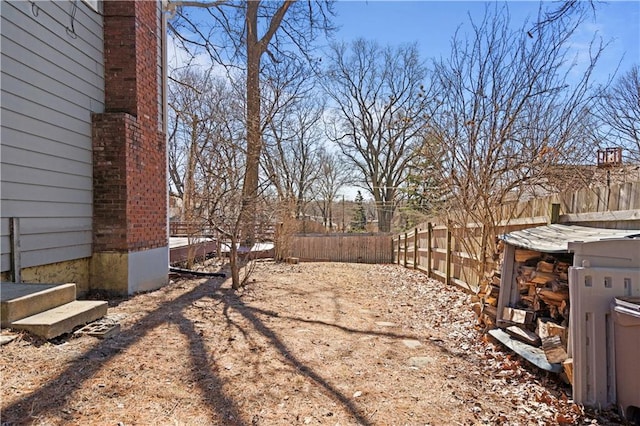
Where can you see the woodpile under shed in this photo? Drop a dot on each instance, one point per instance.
(540, 317)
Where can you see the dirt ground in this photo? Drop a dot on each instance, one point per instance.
(314, 343)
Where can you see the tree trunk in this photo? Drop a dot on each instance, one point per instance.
(189, 184)
(385, 214)
(254, 137)
(234, 264)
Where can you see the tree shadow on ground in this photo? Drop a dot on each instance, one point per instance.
(231, 299)
(224, 408)
(86, 365)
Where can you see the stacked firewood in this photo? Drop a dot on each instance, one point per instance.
(544, 285)
(486, 300)
(541, 316)
(544, 291)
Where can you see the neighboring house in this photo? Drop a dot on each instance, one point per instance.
(82, 148)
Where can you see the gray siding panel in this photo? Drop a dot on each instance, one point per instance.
(45, 225)
(58, 254)
(52, 80)
(87, 83)
(45, 113)
(22, 192)
(48, 32)
(71, 149)
(52, 240)
(26, 126)
(5, 259)
(27, 93)
(29, 159)
(44, 209)
(37, 176)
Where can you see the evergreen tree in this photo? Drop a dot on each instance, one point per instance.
(359, 220)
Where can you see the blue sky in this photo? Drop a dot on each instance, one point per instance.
(433, 23)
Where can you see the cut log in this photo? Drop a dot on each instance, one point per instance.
(560, 286)
(490, 311)
(528, 299)
(562, 267)
(492, 291)
(523, 335)
(522, 255)
(554, 349)
(518, 316)
(526, 272)
(544, 266)
(543, 277)
(546, 329)
(483, 289)
(488, 321)
(492, 301)
(553, 296)
(488, 316)
(568, 369)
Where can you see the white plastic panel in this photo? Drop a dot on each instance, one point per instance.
(592, 291)
(613, 253)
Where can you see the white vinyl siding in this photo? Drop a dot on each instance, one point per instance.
(52, 79)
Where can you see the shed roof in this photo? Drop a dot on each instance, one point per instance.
(555, 238)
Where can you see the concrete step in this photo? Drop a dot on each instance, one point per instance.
(19, 301)
(62, 319)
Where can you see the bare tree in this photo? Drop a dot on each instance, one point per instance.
(221, 163)
(239, 34)
(618, 111)
(508, 113)
(189, 100)
(335, 173)
(379, 118)
(292, 134)
(207, 156)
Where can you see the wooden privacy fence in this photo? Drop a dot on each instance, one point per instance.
(443, 251)
(446, 252)
(353, 248)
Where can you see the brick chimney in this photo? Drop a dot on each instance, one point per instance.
(130, 242)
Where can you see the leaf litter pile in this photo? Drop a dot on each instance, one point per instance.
(313, 343)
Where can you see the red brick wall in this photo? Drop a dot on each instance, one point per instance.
(120, 46)
(129, 150)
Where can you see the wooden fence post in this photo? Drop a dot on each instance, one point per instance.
(447, 279)
(555, 213)
(415, 248)
(405, 249)
(429, 236)
(399, 240)
(393, 245)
